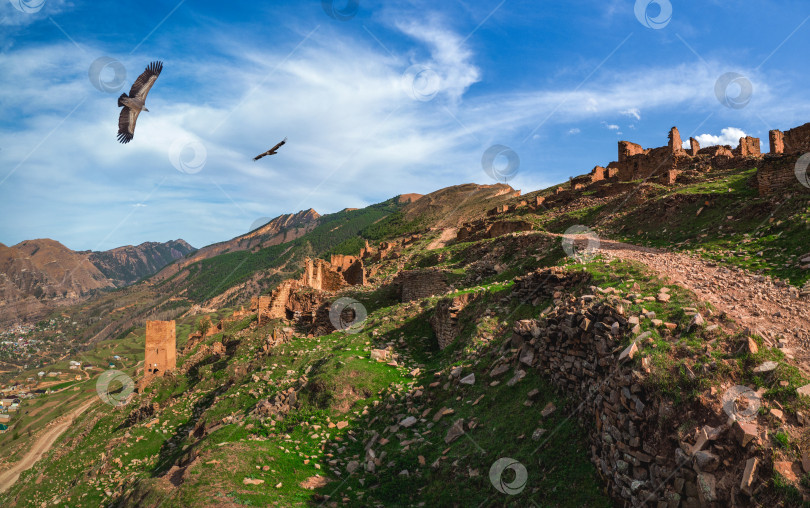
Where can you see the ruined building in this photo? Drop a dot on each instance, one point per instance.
(664, 164)
(161, 350)
(299, 299)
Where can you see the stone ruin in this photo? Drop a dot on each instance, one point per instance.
(417, 284)
(299, 299)
(663, 165)
(482, 228)
(579, 344)
(445, 320)
(161, 350)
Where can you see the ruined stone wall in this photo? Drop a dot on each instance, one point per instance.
(579, 348)
(777, 173)
(776, 140)
(161, 348)
(318, 274)
(350, 267)
(341, 262)
(749, 147)
(355, 274)
(791, 142)
(628, 149)
(417, 284)
(274, 306)
(445, 319)
(694, 147)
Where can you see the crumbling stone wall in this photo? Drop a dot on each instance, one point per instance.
(318, 274)
(445, 320)
(482, 229)
(749, 147)
(160, 349)
(777, 173)
(578, 347)
(417, 284)
(793, 141)
(350, 267)
(694, 147)
(776, 140)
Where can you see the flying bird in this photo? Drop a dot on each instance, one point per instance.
(272, 151)
(134, 103)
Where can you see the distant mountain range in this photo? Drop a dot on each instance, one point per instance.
(39, 275)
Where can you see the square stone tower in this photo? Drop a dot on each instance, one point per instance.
(161, 348)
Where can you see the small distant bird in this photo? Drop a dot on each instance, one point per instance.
(134, 103)
(272, 151)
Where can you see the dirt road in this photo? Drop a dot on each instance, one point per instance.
(771, 310)
(41, 446)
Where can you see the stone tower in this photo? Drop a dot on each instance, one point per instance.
(161, 348)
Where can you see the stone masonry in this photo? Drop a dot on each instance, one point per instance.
(445, 320)
(161, 349)
(580, 345)
(417, 284)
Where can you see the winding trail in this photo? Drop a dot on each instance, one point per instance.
(41, 446)
(771, 310)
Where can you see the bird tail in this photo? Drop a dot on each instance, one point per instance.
(120, 103)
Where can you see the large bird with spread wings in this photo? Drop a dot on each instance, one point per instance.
(135, 102)
(272, 151)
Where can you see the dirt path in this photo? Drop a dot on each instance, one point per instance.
(443, 239)
(770, 310)
(40, 447)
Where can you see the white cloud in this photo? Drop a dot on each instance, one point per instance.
(354, 136)
(728, 136)
(632, 112)
(611, 126)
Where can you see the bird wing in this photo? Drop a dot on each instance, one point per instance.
(272, 151)
(278, 145)
(126, 124)
(144, 83)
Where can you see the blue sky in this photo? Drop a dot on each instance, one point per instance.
(397, 97)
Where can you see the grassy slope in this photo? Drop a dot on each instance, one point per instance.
(342, 375)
